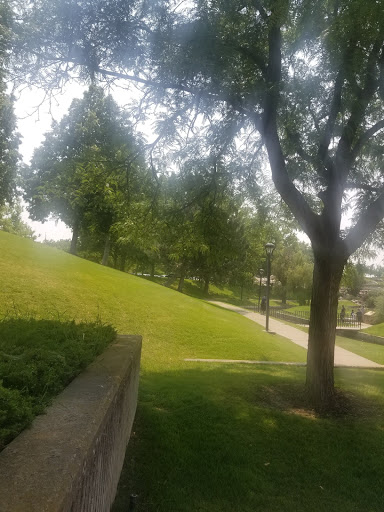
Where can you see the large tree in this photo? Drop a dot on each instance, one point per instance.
(304, 78)
(9, 138)
(203, 222)
(88, 170)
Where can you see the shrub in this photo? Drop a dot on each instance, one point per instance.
(38, 358)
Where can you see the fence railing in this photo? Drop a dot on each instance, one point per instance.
(348, 321)
(302, 317)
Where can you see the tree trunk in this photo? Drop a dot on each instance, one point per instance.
(181, 283)
(283, 295)
(115, 258)
(327, 275)
(152, 270)
(206, 285)
(241, 291)
(107, 247)
(123, 259)
(180, 286)
(75, 237)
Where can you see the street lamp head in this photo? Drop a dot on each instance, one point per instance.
(261, 271)
(269, 248)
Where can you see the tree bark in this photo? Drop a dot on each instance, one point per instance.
(75, 237)
(115, 258)
(206, 285)
(181, 283)
(327, 273)
(107, 247)
(123, 258)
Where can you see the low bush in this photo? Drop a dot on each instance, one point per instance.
(38, 358)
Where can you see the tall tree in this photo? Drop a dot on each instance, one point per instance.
(291, 266)
(88, 169)
(305, 78)
(9, 138)
(203, 221)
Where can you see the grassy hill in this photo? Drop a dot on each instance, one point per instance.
(47, 283)
(211, 437)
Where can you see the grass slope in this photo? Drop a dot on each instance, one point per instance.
(214, 438)
(48, 283)
(376, 330)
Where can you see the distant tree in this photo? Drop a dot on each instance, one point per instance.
(88, 169)
(353, 277)
(63, 245)
(293, 267)
(300, 278)
(11, 221)
(9, 138)
(203, 226)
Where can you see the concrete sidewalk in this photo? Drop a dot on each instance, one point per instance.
(343, 357)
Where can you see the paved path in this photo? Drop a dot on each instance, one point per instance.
(342, 357)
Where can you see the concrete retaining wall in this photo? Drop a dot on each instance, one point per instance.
(361, 336)
(370, 338)
(71, 458)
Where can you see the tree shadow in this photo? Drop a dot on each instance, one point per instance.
(229, 438)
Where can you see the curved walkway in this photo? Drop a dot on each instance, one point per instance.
(343, 358)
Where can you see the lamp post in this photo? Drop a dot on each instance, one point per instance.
(269, 247)
(261, 272)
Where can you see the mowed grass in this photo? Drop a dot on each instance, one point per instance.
(230, 438)
(376, 330)
(47, 283)
(349, 306)
(362, 348)
(371, 351)
(211, 437)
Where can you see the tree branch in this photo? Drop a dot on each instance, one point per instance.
(364, 138)
(254, 57)
(258, 7)
(365, 226)
(150, 83)
(344, 155)
(362, 186)
(289, 193)
(330, 125)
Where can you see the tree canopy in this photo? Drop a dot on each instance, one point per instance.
(89, 169)
(9, 138)
(301, 82)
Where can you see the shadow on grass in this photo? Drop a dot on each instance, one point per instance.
(230, 439)
(38, 358)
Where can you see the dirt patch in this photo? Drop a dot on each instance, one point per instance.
(294, 400)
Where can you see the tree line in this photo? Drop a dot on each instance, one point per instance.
(91, 173)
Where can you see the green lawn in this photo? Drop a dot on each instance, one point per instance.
(376, 330)
(211, 438)
(349, 305)
(370, 351)
(362, 348)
